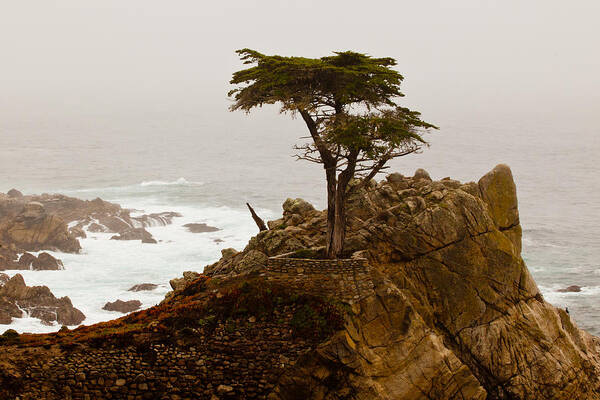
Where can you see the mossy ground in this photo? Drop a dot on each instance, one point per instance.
(199, 309)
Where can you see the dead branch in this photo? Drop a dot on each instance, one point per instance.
(259, 222)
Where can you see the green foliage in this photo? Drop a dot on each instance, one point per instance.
(317, 320)
(348, 101)
(298, 82)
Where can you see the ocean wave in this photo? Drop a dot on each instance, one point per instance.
(180, 182)
(528, 241)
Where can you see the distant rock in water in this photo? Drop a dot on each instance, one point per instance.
(46, 262)
(135, 234)
(42, 262)
(123, 306)
(200, 228)
(26, 260)
(570, 289)
(143, 286)
(38, 302)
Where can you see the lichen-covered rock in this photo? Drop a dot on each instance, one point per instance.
(297, 206)
(499, 191)
(180, 283)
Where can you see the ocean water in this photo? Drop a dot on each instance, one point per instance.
(207, 171)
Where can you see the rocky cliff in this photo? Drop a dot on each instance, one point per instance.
(452, 313)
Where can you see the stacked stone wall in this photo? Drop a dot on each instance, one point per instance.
(240, 360)
(345, 279)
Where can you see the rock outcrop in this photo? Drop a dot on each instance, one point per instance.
(33, 229)
(123, 306)
(570, 289)
(55, 222)
(38, 302)
(456, 313)
(452, 313)
(28, 261)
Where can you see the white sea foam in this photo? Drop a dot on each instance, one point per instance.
(181, 182)
(106, 269)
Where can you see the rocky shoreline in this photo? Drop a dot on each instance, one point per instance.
(450, 312)
(53, 222)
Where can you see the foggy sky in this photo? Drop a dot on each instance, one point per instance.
(467, 59)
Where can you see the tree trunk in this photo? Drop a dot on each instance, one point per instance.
(331, 205)
(336, 247)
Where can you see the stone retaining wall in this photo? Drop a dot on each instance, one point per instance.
(345, 279)
(240, 363)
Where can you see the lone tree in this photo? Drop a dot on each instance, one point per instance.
(348, 104)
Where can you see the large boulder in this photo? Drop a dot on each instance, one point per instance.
(180, 283)
(26, 259)
(297, 206)
(38, 302)
(33, 230)
(499, 191)
(46, 262)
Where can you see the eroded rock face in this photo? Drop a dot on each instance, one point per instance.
(456, 313)
(33, 223)
(123, 306)
(33, 229)
(38, 302)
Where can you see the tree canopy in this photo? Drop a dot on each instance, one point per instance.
(349, 104)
